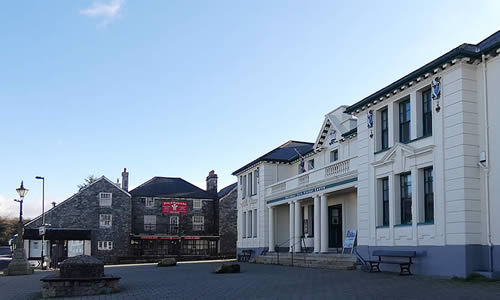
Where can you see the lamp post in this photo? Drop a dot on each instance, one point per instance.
(43, 218)
(19, 264)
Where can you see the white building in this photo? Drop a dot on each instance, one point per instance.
(410, 167)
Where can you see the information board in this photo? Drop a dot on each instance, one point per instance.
(174, 207)
(350, 239)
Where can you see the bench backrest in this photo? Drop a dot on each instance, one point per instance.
(394, 253)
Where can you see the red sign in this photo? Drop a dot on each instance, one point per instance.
(191, 237)
(174, 207)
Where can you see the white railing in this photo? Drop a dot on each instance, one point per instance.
(328, 172)
(338, 168)
(304, 179)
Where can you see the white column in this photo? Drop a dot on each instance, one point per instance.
(324, 224)
(291, 206)
(271, 229)
(317, 229)
(298, 225)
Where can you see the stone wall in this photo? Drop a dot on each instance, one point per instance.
(228, 222)
(82, 211)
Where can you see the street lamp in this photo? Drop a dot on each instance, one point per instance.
(19, 264)
(43, 218)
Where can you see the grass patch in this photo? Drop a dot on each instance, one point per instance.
(475, 278)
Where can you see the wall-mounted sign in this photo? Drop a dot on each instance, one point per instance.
(191, 237)
(174, 207)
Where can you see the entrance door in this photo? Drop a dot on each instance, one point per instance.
(335, 229)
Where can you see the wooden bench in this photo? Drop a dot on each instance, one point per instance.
(404, 265)
(245, 255)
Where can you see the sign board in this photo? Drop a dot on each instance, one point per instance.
(350, 239)
(41, 230)
(174, 207)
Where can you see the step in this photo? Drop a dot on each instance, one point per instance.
(308, 263)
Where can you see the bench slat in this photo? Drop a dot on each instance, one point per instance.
(394, 253)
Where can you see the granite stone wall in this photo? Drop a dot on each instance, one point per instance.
(82, 211)
(227, 222)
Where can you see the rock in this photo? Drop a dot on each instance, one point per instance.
(167, 262)
(82, 266)
(232, 268)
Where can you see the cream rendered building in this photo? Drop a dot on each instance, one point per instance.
(413, 166)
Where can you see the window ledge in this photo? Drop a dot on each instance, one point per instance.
(382, 226)
(382, 150)
(402, 225)
(425, 223)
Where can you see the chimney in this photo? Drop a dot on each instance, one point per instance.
(212, 182)
(53, 204)
(125, 179)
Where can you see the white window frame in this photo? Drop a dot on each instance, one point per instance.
(310, 164)
(198, 223)
(104, 221)
(105, 199)
(254, 223)
(255, 181)
(332, 155)
(149, 202)
(105, 245)
(197, 203)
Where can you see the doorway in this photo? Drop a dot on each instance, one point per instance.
(335, 226)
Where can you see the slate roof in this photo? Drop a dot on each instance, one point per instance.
(284, 153)
(172, 187)
(464, 50)
(223, 192)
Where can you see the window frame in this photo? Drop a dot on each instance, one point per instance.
(384, 129)
(385, 201)
(149, 202)
(428, 195)
(335, 154)
(404, 121)
(104, 245)
(405, 184)
(250, 184)
(197, 203)
(102, 221)
(149, 225)
(104, 200)
(310, 164)
(198, 223)
(174, 224)
(426, 112)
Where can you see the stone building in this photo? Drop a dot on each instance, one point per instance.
(228, 211)
(409, 167)
(95, 221)
(171, 216)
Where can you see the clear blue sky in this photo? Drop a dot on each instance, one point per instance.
(178, 88)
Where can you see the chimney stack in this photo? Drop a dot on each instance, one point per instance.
(53, 204)
(212, 182)
(125, 179)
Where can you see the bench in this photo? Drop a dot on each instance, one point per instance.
(404, 265)
(245, 255)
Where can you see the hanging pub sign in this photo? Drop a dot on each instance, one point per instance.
(174, 207)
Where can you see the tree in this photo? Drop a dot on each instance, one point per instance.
(87, 181)
(8, 227)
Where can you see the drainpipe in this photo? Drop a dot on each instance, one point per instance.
(486, 166)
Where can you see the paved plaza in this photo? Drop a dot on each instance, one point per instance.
(195, 281)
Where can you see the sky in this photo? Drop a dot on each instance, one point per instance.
(179, 88)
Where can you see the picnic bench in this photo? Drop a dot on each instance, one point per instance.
(245, 255)
(404, 265)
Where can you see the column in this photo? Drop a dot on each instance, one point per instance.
(317, 229)
(298, 226)
(291, 206)
(271, 229)
(324, 224)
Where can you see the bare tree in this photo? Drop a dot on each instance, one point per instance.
(87, 181)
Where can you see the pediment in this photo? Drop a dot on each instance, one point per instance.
(397, 153)
(330, 133)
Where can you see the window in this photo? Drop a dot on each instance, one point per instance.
(429, 195)
(405, 182)
(385, 202)
(255, 176)
(149, 223)
(198, 223)
(105, 220)
(310, 164)
(427, 113)
(254, 223)
(404, 121)
(384, 129)
(334, 155)
(105, 199)
(244, 186)
(197, 203)
(250, 182)
(149, 202)
(174, 224)
(105, 245)
(250, 227)
(244, 225)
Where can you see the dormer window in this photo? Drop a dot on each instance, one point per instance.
(105, 199)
